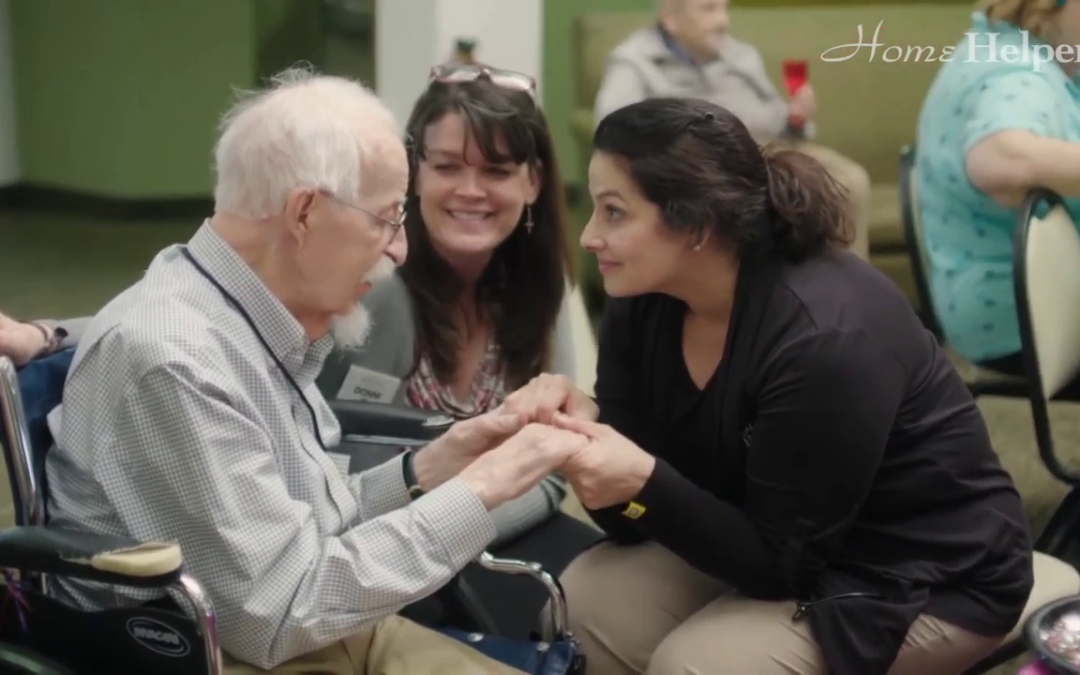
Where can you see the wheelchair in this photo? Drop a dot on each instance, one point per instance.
(177, 634)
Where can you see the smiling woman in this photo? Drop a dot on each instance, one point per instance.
(478, 307)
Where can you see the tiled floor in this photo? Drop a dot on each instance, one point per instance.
(55, 266)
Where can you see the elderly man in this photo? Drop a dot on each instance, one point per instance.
(690, 53)
(191, 415)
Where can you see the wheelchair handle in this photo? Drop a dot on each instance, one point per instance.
(557, 628)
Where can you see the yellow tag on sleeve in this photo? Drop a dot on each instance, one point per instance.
(633, 511)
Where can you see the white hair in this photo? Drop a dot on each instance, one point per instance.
(304, 130)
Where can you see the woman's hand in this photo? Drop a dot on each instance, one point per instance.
(546, 395)
(611, 470)
(19, 341)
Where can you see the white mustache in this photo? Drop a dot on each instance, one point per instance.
(352, 330)
(382, 270)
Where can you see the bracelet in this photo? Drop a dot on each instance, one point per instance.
(53, 337)
(46, 334)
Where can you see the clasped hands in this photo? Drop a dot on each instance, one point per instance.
(547, 425)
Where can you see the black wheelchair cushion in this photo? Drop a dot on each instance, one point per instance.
(389, 421)
(91, 557)
(145, 639)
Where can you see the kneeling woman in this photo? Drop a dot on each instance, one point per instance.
(792, 476)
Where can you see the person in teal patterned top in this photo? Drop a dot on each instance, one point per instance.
(1001, 117)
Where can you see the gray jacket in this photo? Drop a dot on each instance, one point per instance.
(375, 372)
(645, 66)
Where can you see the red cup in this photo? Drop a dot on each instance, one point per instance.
(796, 74)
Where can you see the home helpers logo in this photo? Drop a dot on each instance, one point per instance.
(980, 47)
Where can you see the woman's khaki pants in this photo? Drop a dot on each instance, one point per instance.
(396, 646)
(641, 609)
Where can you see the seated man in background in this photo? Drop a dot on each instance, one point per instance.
(191, 413)
(991, 129)
(689, 53)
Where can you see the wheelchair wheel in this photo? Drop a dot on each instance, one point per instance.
(21, 661)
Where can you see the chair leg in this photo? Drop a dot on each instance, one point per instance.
(1001, 656)
(1062, 530)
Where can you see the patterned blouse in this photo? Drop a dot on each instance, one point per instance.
(486, 392)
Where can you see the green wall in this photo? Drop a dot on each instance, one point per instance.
(121, 97)
(559, 70)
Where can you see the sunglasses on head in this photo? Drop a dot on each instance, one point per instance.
(453, 73)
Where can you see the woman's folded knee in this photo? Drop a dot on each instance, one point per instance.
(739, 635)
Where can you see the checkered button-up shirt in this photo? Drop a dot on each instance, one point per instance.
(177, 425)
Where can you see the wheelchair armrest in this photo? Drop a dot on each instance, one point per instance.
(90, 557)
(558, 625)
(391, 422)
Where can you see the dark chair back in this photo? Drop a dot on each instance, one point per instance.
(27, 396)
(915, 241)
(1046, 280)
(25, 403)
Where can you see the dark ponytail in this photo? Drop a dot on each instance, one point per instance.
(699, 164)
(809, 206)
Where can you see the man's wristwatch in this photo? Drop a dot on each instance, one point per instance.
(407, 472)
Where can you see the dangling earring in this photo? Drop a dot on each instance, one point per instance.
(528, 219)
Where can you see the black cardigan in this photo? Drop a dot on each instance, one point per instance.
(849, 460)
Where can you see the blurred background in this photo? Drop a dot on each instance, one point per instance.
(108, 108)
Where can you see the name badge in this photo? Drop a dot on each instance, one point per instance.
(362, 384)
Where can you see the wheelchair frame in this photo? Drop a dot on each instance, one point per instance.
(411, 427)
(29, 500)
(388, 426)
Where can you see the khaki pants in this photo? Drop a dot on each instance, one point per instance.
(853, 177)
(396, 646)
(641, 609)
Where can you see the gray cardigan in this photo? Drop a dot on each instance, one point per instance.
(375, 371)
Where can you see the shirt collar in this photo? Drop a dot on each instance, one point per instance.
(673, 47)
(283, 333)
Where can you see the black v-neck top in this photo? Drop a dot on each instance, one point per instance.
(853, 459)
(689, 451)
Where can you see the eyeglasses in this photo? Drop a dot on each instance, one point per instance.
(457, 73)
(394, 224)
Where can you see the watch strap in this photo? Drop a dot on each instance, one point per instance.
(409, 474)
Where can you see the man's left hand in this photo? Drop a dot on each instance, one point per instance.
(610, 470)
